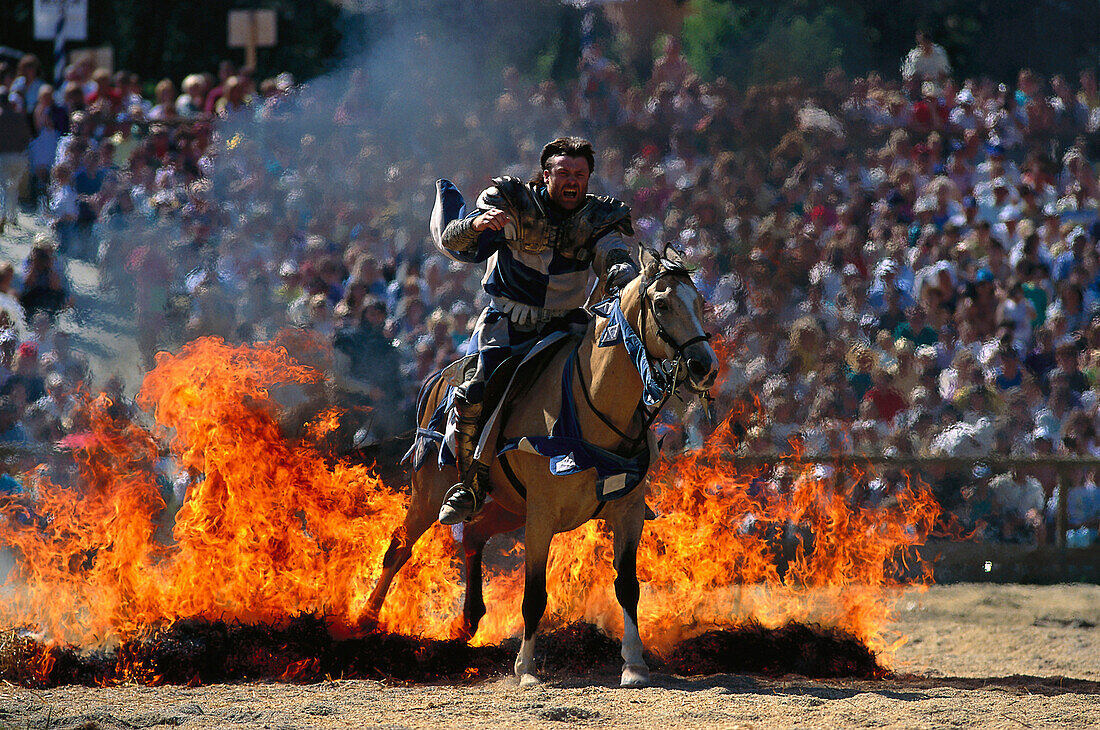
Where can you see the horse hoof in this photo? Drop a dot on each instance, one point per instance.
(528, 680)
(635, 676)
(367, 625)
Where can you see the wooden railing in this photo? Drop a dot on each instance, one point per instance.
(1063, 464)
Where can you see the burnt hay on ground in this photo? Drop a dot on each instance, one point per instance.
(302, 650)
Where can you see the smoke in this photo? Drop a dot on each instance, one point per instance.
(344, 162)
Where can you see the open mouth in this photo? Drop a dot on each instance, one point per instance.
(570, 194)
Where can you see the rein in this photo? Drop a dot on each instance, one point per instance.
(666, 378)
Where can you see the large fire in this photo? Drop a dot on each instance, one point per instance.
(272, 528)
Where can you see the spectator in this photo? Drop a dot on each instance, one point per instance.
(44, 287)
(15, 140)
(927, 62)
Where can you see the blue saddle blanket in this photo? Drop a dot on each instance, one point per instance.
(565, 448)
(569, 453)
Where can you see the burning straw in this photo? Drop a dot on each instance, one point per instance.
(271, 528)
(202, 652)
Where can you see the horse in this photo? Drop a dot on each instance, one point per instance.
(612, 375)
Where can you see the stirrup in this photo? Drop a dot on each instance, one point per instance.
(459, 505)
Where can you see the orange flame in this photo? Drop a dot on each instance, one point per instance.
(268, 528)
(713, 557)
(271, 529)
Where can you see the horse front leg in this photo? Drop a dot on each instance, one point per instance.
(417, 521)
(536, 554)
(628, 532)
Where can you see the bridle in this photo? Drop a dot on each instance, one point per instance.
(669, 373)
(679, 358)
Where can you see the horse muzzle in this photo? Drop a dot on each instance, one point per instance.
(702, 367)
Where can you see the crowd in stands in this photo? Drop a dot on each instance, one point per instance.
(897, 264)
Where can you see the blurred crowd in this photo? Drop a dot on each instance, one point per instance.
(898, 265)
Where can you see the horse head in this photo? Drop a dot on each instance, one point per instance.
(671, 319)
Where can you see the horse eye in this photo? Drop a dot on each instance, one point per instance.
(661, 304)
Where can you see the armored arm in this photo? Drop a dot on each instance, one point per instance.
(460, 237)
(613, 262)
(620, 269)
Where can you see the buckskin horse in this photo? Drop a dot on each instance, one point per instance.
(573, 446)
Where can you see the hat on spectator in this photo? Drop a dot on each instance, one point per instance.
(924, 204)
(850, 270)
(926, 352)
(1076, 233)
(887, 266)
(1050, 210)
(28, 349)
(1009, 213)
(1042, 432)
(859, 353)
(983, 275)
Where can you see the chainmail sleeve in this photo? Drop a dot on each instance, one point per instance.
(459, 235)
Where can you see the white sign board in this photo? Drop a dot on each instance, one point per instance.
(252, 28)
(47, 12)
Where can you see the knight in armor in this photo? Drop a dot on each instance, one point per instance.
(543, 242)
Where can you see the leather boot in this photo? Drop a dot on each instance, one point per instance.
(465, 498)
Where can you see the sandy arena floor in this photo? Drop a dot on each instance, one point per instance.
(979, 655)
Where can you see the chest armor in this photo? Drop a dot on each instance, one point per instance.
(538, 229)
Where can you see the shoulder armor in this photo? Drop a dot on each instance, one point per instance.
(609, 214)
(506, 193)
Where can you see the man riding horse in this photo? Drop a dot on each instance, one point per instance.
(542, 240)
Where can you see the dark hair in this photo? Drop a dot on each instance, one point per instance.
(570, 147)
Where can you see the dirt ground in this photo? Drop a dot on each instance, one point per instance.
(979, 655)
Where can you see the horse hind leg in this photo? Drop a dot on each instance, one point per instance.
(493, 521)
(628, 532)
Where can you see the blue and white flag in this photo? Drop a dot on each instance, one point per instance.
(59, 48)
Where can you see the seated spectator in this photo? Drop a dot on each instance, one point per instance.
(916, 328)
(26, 384)
(1007, 374)
(1019, 501)
(1067, 365)
(12, 432)
(886, 398)
(44, 287)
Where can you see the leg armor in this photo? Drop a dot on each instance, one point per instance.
(467, 496)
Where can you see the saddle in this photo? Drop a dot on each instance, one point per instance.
(509, 383)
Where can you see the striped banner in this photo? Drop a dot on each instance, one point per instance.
(59, 48)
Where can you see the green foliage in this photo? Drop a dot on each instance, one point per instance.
(806, 48)
(714, 37)
(763, 42)
(746, 41)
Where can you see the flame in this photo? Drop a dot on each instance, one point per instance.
(268, 529)
(715, 556)
(272, 528)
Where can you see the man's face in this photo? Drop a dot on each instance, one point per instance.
(566, 180)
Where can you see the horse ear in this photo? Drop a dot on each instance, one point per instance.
(673, 257)
(650, 261)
